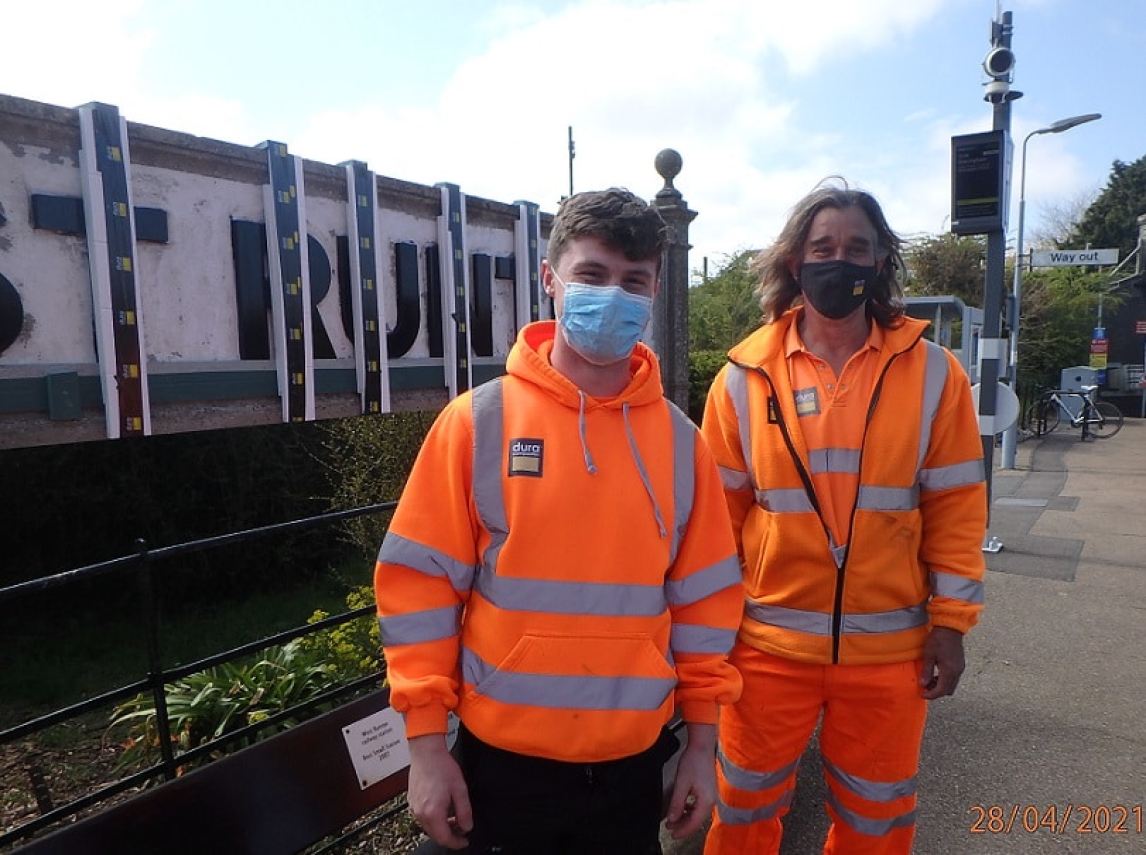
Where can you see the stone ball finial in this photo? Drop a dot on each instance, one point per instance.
(668, 163)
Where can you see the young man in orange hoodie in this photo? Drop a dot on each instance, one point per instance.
(561, 574)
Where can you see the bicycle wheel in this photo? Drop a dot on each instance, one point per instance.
(1042, 417)
(1106, 421)
(1028, 422)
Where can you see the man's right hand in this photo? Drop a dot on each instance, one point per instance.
(437, 793)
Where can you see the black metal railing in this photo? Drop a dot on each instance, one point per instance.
(143, 563)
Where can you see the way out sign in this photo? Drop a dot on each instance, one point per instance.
(1073, 257)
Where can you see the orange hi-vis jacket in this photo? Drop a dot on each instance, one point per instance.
(560, 570)
(914, 557)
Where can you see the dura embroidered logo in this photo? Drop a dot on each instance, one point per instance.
(526, 457)
(807, 401)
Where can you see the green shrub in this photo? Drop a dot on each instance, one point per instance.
(702, 368)
(367, 460)
(209, 704)
(66, 505)
(352, 649)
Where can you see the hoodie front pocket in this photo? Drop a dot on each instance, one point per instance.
(603, 672)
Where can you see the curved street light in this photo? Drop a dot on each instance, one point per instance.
(1007, 458)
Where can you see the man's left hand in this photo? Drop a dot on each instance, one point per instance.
(943, 662)
(694, 791)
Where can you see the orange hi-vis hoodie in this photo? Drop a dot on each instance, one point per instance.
(913, 557)
(560, 570)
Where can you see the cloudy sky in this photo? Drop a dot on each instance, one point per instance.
(762, 98)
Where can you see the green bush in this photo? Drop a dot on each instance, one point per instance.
(352, 649)
(68, 505)
(209, 704)
(368, 459)
(702, 368)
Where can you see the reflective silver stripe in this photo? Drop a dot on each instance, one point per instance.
(572, 598)
(683, 475)
(568, 597)
(934, 379)
(872, 498)
(867, 825)
(554, 691)
(409, 553)
(691, 638)
(876, 623)
(736, 385)
(956, 587)
(955, 475)
(747, 816)
(873, 791)
(785, 501)
(418, 627)
(847, 460)
(734, 479)
(487, 466)
(704, 583)
(750, 781)
(820, 623)
(813, 623)
(844, 460)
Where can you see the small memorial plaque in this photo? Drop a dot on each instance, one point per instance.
(377, 746)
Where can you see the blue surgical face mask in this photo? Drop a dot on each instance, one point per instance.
(603, 323)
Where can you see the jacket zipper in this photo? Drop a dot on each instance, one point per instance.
(809, 489)
(806, 479)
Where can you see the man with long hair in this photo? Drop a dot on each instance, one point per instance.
(850, 454)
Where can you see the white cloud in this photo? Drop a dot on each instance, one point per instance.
(724, 82)
(54, 52)
(709, 79)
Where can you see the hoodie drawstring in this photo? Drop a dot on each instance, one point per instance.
(641, 469)
(592, 467)
(589, 464)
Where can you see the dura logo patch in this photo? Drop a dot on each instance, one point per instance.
(526, 457)
(807, 401)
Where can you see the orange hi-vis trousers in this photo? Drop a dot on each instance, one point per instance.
(870, 735)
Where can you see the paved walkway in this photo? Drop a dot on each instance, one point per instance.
(1049, 724)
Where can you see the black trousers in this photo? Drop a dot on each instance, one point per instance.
(532, 806)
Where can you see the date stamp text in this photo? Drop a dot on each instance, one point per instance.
(1056, 819)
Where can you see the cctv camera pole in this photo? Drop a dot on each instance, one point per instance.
(572, 154)
(992, 345)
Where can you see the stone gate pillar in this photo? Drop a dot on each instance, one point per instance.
(670, 311)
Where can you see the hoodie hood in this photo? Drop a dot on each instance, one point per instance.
(529, 360)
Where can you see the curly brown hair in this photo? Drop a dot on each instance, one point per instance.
(778, 290)
(617, 216)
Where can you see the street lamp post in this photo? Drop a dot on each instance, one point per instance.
(1010, 435)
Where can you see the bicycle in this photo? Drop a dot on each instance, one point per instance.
(1100, 419)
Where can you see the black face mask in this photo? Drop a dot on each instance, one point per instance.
(836, 288)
